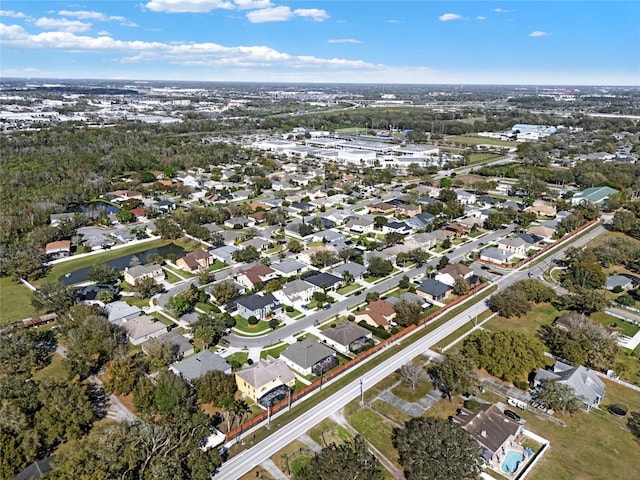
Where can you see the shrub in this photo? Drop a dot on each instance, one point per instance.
(252, 320)
(471, 404)
(289, 308)
(522, 385)
(351, 318)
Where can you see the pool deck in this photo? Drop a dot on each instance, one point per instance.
(496, 461)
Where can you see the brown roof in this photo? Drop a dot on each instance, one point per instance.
(381, 206)
(488, 425)
(456, 270)
(59, 245)
(255, 273)
(380, 312)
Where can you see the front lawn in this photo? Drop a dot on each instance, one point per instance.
(350, 289)
(242, 326)
(273, 351)
(217, 265)
(404, 391)
(15, 301)
(620, 326)
(136, 301)
(239, 357)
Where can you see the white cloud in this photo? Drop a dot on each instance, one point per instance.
(12, 14)
(502, 10)
(273, 14)
(62, 24)
(313, 13)
(282, 14)
(188, 6)
(480, 17)
(448, 17)
(252, 4)
(394, 21)
(97, 16)
(185, 53)
(103, 33)
(344, 40)
(538, 33)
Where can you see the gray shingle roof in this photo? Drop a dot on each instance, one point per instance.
(346, 333)
(256, 302)
(433, 287)
(197, 365)
(307, 353)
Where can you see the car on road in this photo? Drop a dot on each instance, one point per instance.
(224, 341)
(512, 415)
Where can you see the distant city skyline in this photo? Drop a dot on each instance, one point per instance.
(568, 43)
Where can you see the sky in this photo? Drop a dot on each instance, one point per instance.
(325, 41)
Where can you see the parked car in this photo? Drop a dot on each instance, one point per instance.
(512, 415)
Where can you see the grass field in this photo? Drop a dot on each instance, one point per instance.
(242, 326)
(327, 432)
(375, 429)
(58, 369)
(404, 391)
(15, 301)
(465, 140)
(67, 267)
(390, 411)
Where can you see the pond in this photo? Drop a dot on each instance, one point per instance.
(95, 209)
(121, 263)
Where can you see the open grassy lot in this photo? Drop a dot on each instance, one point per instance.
(15, 301)
(593, 445)
(257, 472)
(468, 140)
(327, 432)
(390, 411)
(404, 391)
(57, 370)
(475, 158)
(90, 260)
(376, 429)
(286, 458)
(541, 314)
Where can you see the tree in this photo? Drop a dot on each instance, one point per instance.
(224, 292)
(557, 396)
(205, 277)
(274, 323)
(208, 329)
(160, 353)
(412, 375)
(443, 262)
(91, 342)
(324, 258)
(168, 229)
(393, 238)
(584, 301)
(461, 286)
(147, 287)
(454, 375)
(419, 256)
(305, 229)
(507, 354)
(624, 221)
(436, 449)
(633, 423)
(295, 246)
(54, 297)
(380, 221)
(23, 349)
(247, 254)
(349, 461)
(495, 221)
(179, 304)
(379, 267)
(215, 387)
(407, 312)
(446, 243)
(404, 282)
(583, 274)
(22, 261)
(120, 374)
(535, 290)
(510, 303)
(103, 274)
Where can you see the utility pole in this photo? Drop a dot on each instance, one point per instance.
(361, 391)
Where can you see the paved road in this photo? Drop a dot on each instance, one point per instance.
(340, 307)
(246, 460)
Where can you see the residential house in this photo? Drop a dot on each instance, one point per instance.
(59, 249)
(408, 210)
(542, 210)
(323, 280)
(143, 328)
(98, 241)
(196, 260)
(464, 197)
(452, 272)
(289, 267)
(491, 428)
(433, 291)
(56, 219)
(224, 254)
(396, 227)
(625, 282)
(594, 195)
(233, 222)
(498, 256)
(457, 230)
(546, 233)
(194, 367)
(231, 237)
(420, 221)
(356, 270)
(141, 272)
(265, 380)
(382, 208)
(256, 275)
(118, 312)
(584, 382)
(259, 243)
(180, 346)
(309, 357)
(378, 313)
(425, 241)
(531, 240)
(515, 245)
(327, 236)
(307, 255)
(260, 306)
(360, 224)
(302, 207)
(347, 337)
(296, 293)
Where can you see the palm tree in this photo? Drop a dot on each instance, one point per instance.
(348, 278)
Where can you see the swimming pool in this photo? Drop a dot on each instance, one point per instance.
(512, 461)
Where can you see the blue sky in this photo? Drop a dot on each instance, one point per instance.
(384, 41)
